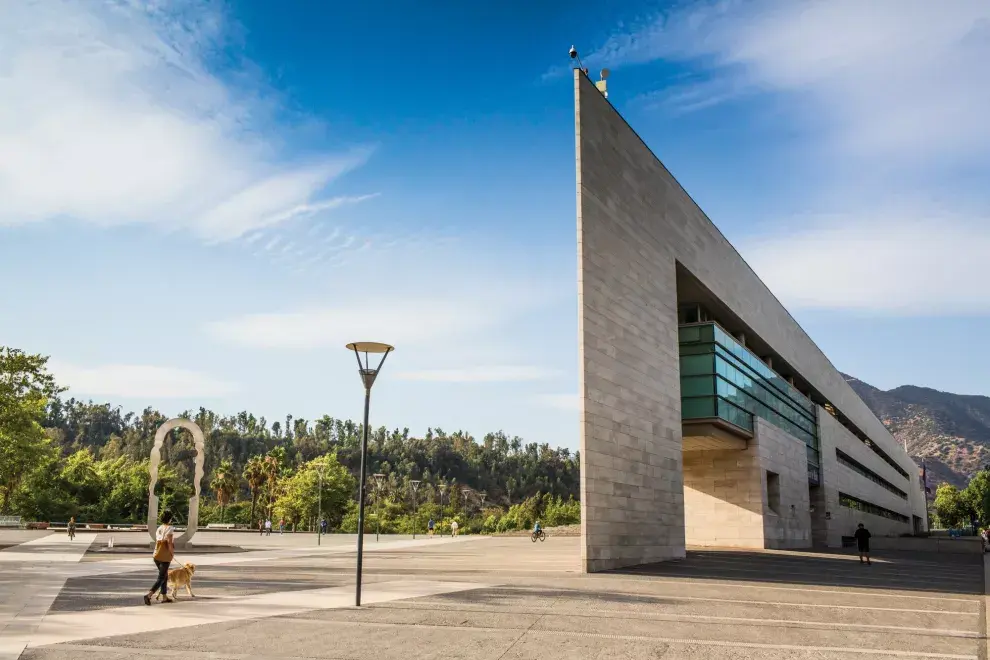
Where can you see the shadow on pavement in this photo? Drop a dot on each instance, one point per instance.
(949, 573)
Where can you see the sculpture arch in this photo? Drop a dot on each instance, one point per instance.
(155, 458)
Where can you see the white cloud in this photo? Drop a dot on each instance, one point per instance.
(111, 114)
(884, 79)
(139, 382)
(560, 401)
(480, 374)
(886, 262)
(398, 320)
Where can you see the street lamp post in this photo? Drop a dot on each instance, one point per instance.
(368, 375)
(443, 489)
(319, 516)
(379, 478)
(414, 484)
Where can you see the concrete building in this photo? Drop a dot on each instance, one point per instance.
(708, 416)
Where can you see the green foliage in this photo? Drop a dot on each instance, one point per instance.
(950, 506)
(300, 496)
(26, 387)
(976, 495)
(63, 458)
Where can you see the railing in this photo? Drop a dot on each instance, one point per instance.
(10, 521)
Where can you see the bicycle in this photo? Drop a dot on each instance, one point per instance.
(538, 535)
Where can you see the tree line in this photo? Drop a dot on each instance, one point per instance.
(954, 508)
(65, 457)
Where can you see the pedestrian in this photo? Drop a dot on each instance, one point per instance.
(985, 538)
(164, 552)
(862, 537)
(268, 526)
(72, 528)
(323, 526)
(261, 527)
(281, 526)
(429, 526)
(453, 528)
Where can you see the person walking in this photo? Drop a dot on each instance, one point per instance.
(164, 552)
(72, 528)
(261, 527)
(453, 528)
(862, 537)
(429, 526)
(268, 526)
(281, 526)
(323, 526)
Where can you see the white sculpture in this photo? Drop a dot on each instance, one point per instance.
(156, 455)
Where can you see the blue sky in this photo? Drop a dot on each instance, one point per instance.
(200, 203)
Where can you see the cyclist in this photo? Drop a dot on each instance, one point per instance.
(537, 528)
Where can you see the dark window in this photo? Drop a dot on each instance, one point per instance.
(868, 507)
(773, 491)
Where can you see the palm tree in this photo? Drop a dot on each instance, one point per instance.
(256, 476)
(224, 484)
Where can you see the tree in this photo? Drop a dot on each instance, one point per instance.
(255, 475)
(224, 484)
(300, 498)
(26, 388)
(950, 507)
(977, 495)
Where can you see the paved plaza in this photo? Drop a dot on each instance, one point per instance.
(481, 598)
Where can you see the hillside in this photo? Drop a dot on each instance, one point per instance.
(951, 432)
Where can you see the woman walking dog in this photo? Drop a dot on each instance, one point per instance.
(164, 551)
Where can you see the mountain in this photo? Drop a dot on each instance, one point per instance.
(951, 432)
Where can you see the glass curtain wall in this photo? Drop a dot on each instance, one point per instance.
(721, 378)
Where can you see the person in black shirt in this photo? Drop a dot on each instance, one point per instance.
(862, 537)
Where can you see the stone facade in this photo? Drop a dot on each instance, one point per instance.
(727, 498)
(837, 478)
(635, 227)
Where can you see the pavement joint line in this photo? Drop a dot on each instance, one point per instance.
(668, 640)
(687, 572)
(747, 585)
(728, 620)
(762, 602)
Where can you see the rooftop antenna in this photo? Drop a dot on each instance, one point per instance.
(602, 85)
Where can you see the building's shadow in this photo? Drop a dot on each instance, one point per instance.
(891, 570)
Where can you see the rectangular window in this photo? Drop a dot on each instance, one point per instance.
(868, 507)
(859, 468)
(773, 491)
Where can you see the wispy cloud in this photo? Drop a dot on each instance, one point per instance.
(887, 78)
(901, 262)
(480, 374)
(134, 381)
(400, 320)
(111, 113)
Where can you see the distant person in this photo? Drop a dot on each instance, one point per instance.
(985, 538)
(537, 528)
(453, 528)
(261, 527)
(323, 526)
(862, 537)
(164, 552)
(268, 527)
(72, 528)
(281, 526)
(429, 526)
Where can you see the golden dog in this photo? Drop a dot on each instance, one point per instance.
(180, 577)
